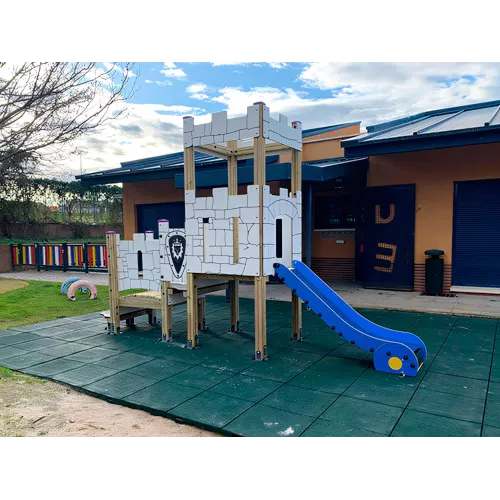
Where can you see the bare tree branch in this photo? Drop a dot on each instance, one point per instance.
(44, 106)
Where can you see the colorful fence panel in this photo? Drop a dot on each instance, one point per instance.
(62, 256)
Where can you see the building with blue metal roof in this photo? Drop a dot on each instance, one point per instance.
(374, 203)
(433, 183)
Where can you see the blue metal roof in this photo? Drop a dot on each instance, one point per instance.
(212, 171)
(321, 170)
(449, 127)
(323, 130)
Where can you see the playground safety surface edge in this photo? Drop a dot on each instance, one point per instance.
(319, 387)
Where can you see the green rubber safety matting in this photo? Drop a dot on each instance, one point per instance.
(319, 387)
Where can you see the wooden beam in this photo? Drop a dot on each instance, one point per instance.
(166, 313)
(189, 169)
(214, 150)
(260, 281)
(232, 169)
(192, 311)
(112, 248)
(270, 149)
(207, 289)
(296, 183)
(236, 240)
(260, 319)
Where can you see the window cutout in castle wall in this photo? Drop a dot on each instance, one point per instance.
(380, 220)
(391, 258)
(279, 238)
(139, 264)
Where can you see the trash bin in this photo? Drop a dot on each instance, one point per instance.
(434, 272)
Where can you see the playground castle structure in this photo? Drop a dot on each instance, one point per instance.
(228, 237)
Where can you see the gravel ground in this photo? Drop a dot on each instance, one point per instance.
(34, 407)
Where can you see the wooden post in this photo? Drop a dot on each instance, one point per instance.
(201, 314)
(192, 311)
(259, 162)
(166, 314)
(112, 247)
(296, 185)
(192, 293)
(189, 169)
(234, 286)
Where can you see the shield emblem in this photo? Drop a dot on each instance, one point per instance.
(177, 253)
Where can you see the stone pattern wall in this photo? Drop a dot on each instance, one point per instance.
(223, 129)
(128, 265)
(209, 230)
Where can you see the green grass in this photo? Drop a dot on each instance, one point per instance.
(5, 372)
(42, 301)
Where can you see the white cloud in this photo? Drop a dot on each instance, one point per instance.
(195, 88)
(278, 65)
(161, 83)
(172, 71)
(200, 96)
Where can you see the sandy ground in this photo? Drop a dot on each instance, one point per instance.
(7, 285)
(33, 407)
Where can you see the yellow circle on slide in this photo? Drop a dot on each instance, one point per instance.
(395, 363)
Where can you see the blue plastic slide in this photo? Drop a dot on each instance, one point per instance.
(393, 352)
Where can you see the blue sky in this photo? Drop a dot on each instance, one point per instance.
(317, 94)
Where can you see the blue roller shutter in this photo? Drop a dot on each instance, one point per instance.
(476, 234)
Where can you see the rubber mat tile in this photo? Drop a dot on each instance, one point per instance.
(200, 377)
(417, 424)
(492, 413)
(242, 337)
(489, 431)
(494, 391)
(162, 396)
(316, 344)
(386, 389)
(92, 355)
(18, 339)
(470, 365)
(154, 349)
(98, 340)
(273, 371)
(462, 344)
(247, 388)
(448, 405)
(40, 344)
(434, 322)
(120, 385)
(323, 381)
(474, 324)
(77, 335)
(327, 428)
(84, 375)
(232, 362)
(351, 352)
(159, 369)
(452, 384)
(9, 352)
(124, 361)
(52, 367)
(65, 349)
(299, 400)
(366, 415)
(26, 360)
(265, 421)
(211, 409)
(190, 356)
(342, 366)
